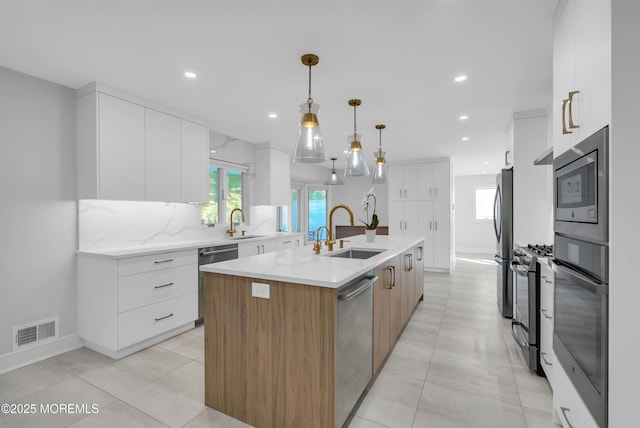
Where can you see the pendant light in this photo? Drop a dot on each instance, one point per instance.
(356, 165)
(380, 169)
(333, 179)
(309, 148)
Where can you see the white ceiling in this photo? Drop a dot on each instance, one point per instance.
(398, 57)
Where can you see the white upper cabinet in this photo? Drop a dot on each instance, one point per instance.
(403, 184)
(194, 162)
(272, 184)
(581, 71)
(434, 180)
(127, 150)
(111, 152)
(162, 148)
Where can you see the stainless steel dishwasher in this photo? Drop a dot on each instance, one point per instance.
(208, 255)
(355, 342)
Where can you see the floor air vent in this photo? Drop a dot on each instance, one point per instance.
(31, 334)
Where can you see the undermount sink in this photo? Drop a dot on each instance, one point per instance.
(246, 237)
(356, 253)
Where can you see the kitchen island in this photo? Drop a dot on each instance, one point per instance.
(276, 336)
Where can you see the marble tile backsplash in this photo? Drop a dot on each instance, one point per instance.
(114, 224)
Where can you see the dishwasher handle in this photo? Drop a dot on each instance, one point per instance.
(361, 288)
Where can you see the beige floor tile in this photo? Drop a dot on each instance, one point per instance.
(27, 380)
(410, 359)
(134, 372)
(358, 422)
(118, 415)
(75, 392)
(445, 407)
(209, 418)
(81, 360)
(489, 344)
(392, 401)
(420, 332)
(534, 390)
(538, 419)
(175, 398)
(473, 374)
(187, 345)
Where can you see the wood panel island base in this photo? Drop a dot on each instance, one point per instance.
(276, 361)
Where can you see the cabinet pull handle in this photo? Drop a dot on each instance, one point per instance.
(564, 109)
(430, 192)
(286, 242)
(262, 248)
(163, 261)
(400, 193)
(164, 317)
(390, 269)
(571, 124)
(405, 193)
(431, 225)
(544, 312)
(435, 191)
(506, 157)
(436, 225)
(163, 285)
(408, 266)
(410, 262)
(405, 225)
(421, 253)
(566, 410)
(258, 247)
(542, 354)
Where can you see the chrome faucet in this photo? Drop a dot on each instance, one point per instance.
(330, 241)
(317, 246)
(231, 230)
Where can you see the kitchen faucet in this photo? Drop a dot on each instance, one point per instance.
(330, 241)
(231, 230)
(317, 246)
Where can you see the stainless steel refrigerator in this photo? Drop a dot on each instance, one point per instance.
(503, 226)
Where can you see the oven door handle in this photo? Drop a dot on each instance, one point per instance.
(579, 278)
(523, 344)
(518, 268)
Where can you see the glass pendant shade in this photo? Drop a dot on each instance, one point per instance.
(309, 148)
(334, 179)
(380, 170)
(356, 165)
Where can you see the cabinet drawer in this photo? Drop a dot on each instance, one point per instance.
(546, 348)
(152, 262)
(146, 288)
(148, 321)
(567, 403)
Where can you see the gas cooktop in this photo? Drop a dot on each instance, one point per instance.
(540, 250)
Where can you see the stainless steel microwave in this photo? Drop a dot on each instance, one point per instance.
(581, 189)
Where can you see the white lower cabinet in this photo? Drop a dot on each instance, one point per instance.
(567, 404)
(128, 304)
(271, 244)
(546, 322)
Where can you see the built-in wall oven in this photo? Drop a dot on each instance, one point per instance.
(581, 249)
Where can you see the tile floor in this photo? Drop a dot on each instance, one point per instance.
(455, 365)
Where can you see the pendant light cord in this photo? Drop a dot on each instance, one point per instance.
(309, 99)
(354, 123)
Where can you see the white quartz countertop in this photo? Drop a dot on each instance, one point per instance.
(301, 265)
(141, 250)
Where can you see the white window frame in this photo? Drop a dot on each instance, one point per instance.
(222, 185)
(475, 193)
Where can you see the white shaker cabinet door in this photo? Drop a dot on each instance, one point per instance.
(441, 235)
(162, 142)
(121, 149)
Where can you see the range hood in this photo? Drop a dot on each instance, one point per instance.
(546, 158)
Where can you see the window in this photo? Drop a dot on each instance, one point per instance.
(225, 194)
(295, 210)
(483, 202)
(317, 213)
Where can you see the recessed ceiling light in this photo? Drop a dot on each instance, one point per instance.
(463, 117)
(213, 151)
(460, 78)
(273, 115)
(465, 138)
(190, 74)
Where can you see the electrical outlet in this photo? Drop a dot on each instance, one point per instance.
(259, 289)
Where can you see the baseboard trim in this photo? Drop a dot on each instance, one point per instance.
(18, 359)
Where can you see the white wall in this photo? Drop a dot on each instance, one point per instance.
(624, 202)
(38, 194)
(472, 236)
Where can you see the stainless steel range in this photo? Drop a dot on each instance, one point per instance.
(525, 325)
